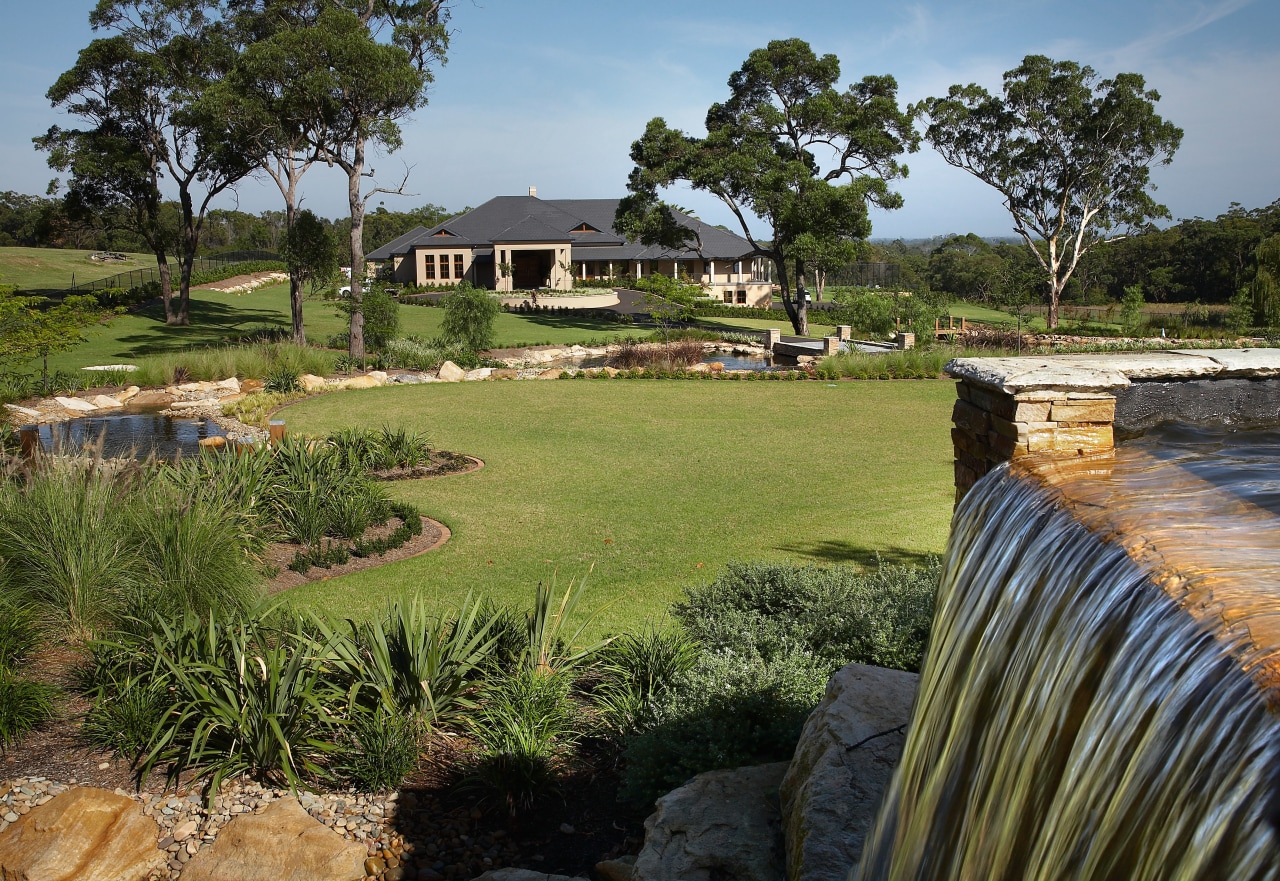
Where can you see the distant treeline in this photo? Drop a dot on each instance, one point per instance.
(1195, 259)
(40, 222)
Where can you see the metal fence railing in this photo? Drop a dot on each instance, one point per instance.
(135, 277)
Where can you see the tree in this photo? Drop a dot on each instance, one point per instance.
(761, 157)
(469, 314)
(1070, 154)
(28, 331)
(1264, 287)
(162, 63)
(312, 258)
(365, 86)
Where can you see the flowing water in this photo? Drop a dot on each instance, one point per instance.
(1099, 698)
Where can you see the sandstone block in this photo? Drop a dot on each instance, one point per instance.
(1031, 411)
(84, 834)
(311, 383)
(23, 412)
(450, 372)
(721, 824)
(379, 375)
(105, 402)
(971, 418)
(621, 869)
(231, 384)
(211, 403)
(479, 374)
(847, 752)
(992, 401)
(1072, 439)
(553, 373)
(75, 405)
(1016, 431)
(213, 443)
(1001, 447)
(359, 382)
(283, 843)
(505, 373)
(127, 395)
(249, 386)
(152, 399)
(1084, 411)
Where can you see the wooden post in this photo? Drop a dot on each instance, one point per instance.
(29, 441)
(276, 429)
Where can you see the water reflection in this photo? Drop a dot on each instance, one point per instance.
(130, 434)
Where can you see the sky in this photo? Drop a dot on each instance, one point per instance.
(550, 93)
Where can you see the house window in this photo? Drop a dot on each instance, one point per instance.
(742, 297)
(457, 266)
(728, 296)
(429, 266)
(444, 265)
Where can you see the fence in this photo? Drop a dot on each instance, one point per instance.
(865, 275)
(136, 277)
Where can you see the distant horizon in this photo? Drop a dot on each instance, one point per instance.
(552, 94)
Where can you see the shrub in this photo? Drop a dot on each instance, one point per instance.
(24, 705)
(469, 314)
(676, 355)
(125, 714)
(729, 710)
(525, 726)
(837, 614)
(381, 317)
(19, 630)
(637, 670)
(378, 749)
(282, 380)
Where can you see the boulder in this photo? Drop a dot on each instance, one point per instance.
(479, 373)
(505, 373)
(213, 443)
(450, 372)
(379, 375)
(283, 843)
(621, 869)
(75, 405)
(359, 382)
(105, 402)
(716, 366)
(249, 386)
(231, 384)
(522, 875)
(407, 379)
(610, 372)
(127, 395)
(310, 382)
(84, 834)
(203, 403)
(152, 399)
(847, 752)
(553, 373)
(721, 824)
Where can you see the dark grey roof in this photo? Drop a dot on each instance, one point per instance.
(530, 219)
(401, 245)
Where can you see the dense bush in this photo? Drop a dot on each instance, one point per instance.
(836, 614)
(675, 355)
(469, 314)
(378, 749)
(24, 705)
(909, 364)
(257, 360)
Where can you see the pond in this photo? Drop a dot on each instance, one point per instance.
(136, 434)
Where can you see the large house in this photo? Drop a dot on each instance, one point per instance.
(521, 243)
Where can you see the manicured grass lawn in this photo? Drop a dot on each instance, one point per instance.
(216, 317)
(657, 483)
(51, 269)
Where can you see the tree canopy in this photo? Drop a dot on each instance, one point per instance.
(1070, 154)
(786, 147)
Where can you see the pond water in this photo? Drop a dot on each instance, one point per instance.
(131, 434)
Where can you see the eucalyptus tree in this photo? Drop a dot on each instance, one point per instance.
(787, 147)
(1069, 153)
(373, 62)
(171, 124)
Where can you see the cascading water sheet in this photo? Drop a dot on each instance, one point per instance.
(1098, 700)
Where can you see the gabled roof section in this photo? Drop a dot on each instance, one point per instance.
(394, 247)
(531, 229)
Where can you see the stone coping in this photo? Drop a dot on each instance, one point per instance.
(1111, 372)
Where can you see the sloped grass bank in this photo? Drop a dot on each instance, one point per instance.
(657, 484)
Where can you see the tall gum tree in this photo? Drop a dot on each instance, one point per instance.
(378, 56)
(1070, 154)
(788, 148)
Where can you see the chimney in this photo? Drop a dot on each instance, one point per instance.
(533, 191)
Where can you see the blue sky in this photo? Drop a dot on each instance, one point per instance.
(552, 93)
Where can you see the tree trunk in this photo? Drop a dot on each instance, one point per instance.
(295, 283)
(801, 319)
(189, 244)
(1055, 293)
(166, 284)
(792, 307)
(355, 172)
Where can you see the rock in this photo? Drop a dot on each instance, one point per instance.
(359, 382)
(721, 824)
(310, 382)
(183, 831)
(553, 373)
(84, 834)
(75, 405)
(203, 386)
(212, 403)
(213, 443)
(610, 372)
(521, 875)
(479, 374)
(152, 399)
(127, 395)
(24, 412)
(716, 366)
(249, 386)
(407, 378)
(504, 373)
(847, 752)
(283, 843)
(105, 402)
(450, 372)
(380, 376)
(231, 384)
(701, 368)
(621, 869)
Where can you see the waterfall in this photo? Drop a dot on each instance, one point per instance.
(1097, 699)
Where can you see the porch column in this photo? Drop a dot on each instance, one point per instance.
(712, 264)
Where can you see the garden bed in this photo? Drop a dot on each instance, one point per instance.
(279, 555)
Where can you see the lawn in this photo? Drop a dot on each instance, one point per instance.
(756, 324)
(44, 270)
(217, 316)
(658, 484)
